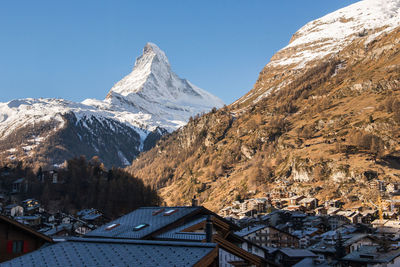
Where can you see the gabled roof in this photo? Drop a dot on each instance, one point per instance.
(309, 262)
(249, 230)
(115, 252)
(297, 253)
(179, 233)
(155, 219)
(371, 254)
(20, 180)
(25, 228)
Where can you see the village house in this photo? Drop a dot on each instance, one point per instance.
(17, 239)
(310, 203)
(290, 256)
(19, 186)
(269, 236)
(13, 210)
(373, 255)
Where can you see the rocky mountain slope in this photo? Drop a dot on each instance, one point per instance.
(323, 120)
(138, 110)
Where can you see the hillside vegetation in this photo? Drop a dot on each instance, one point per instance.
(325, 132)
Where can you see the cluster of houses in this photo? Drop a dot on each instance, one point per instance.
(195, 236)
(298, 231)
(148, 236)
(30, 213)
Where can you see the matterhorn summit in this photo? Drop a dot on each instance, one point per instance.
(144, 105)
(153, 88)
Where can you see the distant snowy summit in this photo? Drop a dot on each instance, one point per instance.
(145, 104)
(322, 39)
(330, 33)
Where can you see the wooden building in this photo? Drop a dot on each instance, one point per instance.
(17, 239)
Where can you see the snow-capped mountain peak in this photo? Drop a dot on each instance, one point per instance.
(153, 88)
(144, 105)
(152, 61)
(155, 53)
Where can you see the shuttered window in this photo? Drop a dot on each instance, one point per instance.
(17, 246)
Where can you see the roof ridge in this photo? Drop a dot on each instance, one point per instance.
(139, 241)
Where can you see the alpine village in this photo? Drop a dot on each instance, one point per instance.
(303, 170)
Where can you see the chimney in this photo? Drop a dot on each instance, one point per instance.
(209, 229)
(195, 201)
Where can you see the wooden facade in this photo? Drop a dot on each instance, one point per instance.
(17, 239)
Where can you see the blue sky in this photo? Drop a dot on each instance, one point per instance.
(79, 49)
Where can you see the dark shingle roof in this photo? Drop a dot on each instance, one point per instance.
(297, 252)
(125, 224)
(177, 234)
(115, 252)
(249, 230)
(371, 254)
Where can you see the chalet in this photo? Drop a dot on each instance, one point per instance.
(63, 229)
(351, 242)
(373, 256)
(290, 256)
(336, 221)
(368, 216)
(14, 210)
(31, 220)
(320, 211)
(295, 200)
(269, 236)
(30, 205)
(19, 186)
(334, 203)
(309, 203)
(17, 239)
(390, 228)
(91, 216)
(352, 216)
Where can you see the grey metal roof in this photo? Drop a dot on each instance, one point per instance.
(114, 252)
(371, 254)
(310, 262)
(58, 228)
(177, 234)
(297, 252)
(92, 216)
(249, 230)
(125, 224)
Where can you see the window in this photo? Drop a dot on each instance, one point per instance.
(169, 212)
(157, 211)
(140, 226)
(17, 246)
(112, 226)
(249, 247)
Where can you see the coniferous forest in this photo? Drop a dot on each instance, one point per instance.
(84, 184)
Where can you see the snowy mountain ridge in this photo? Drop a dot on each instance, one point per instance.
(325, 37)
(330, 33)
(150, 98)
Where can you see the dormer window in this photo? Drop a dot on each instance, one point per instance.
(156, 212)
(140, 226)
(170, 212)
(112, 226)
